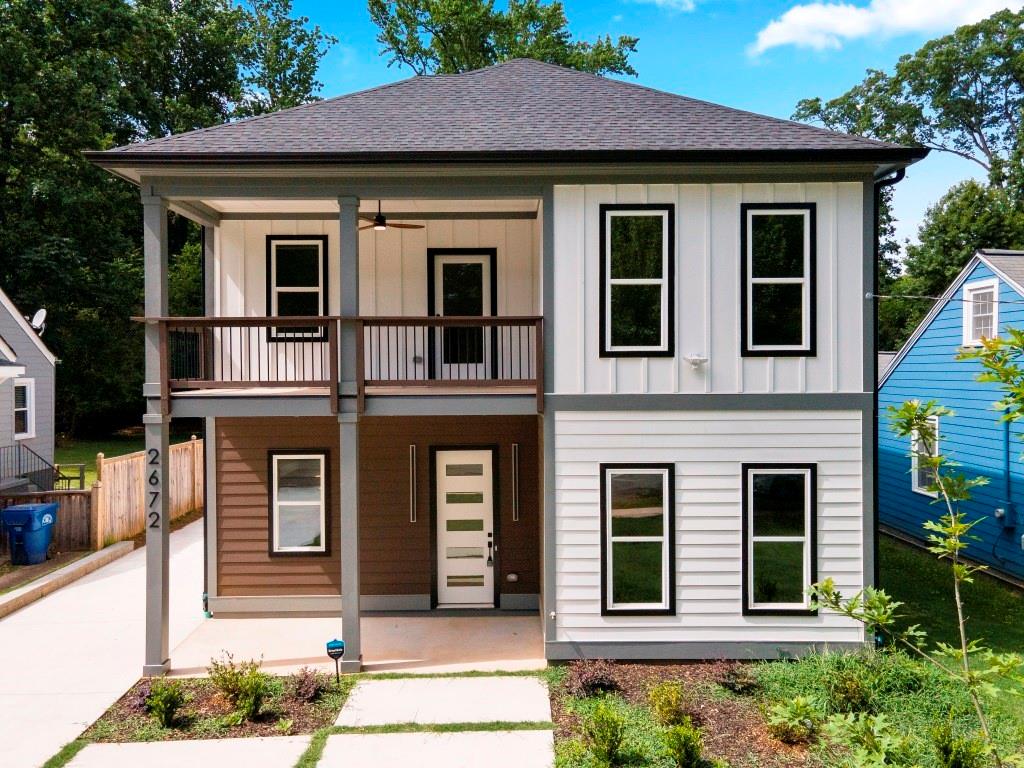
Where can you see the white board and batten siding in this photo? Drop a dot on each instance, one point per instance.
(707, 448)
(707, 292)
(392, 264)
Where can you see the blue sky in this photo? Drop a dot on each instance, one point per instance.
(759, 55)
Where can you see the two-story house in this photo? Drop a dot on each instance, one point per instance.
(523, 338)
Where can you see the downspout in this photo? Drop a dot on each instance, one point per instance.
(888, 181)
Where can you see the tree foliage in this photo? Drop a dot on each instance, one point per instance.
(90, 74)
(447, 36)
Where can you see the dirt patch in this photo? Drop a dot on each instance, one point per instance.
(176, 523)
(14, 576)
(205, 709)
(733, 725)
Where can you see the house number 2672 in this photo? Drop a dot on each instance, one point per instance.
(154, 493)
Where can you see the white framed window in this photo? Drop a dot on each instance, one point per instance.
(637, 280)
(780, 538)
(981, 311)
(638, 539)
(24, 409)
(778, 279)
(297, 282)
(298, 503)
(922, 478)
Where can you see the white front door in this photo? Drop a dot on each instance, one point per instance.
(462, 287)
(465, 529)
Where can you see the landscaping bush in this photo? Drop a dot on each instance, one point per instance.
(848, 691)
(604, 732)
(590, 677)
(666, 700)
(165, 698)
(684, 744)
(139, 696)
(306, 685)
(244, 685)
(254, 689)
(870, 739)
(794, 721)
(958, 751)
(739, 678)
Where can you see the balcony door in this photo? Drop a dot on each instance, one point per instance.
(462, 283)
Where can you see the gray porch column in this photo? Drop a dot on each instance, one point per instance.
(548, 591)
(348, 420)
(157, 661)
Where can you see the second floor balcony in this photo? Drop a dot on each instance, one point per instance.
(394, 356)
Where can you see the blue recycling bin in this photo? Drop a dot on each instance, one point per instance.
(29, 530)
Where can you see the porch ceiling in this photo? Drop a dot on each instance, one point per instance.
(264, 206)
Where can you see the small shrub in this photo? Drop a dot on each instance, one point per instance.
(849, 691)
(684, 744)
(165, 698)
(139, 698)
(604, 732)
(871, 739)
(284, 725)
(227, 675)
(253, 692)
(740, 679)
(953, 751)
(717, 762)
(590, 677)
(794, 721)
(306, 685)
(666, 700)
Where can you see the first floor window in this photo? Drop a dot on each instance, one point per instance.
(298, 502)
(636, 280)
(922, 474)
(24, 409)
(981, 311)
(637, 525)
(779, 529)
(778, 268)
(296, 282)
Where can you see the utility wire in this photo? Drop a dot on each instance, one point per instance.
(939, 298)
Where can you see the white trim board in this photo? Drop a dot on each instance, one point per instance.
(7, 304)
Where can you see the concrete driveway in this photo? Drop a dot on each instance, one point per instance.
(67, 657)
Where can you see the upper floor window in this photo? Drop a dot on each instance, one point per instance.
(778, 273)
(981, 311)
(922, 474)
(24, 409)
(296, 282)
(780, 540)
(637, 274)
(298, 502)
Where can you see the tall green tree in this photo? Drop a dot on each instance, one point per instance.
(446, 36)
(285, 54)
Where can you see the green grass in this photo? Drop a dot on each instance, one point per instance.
(643, 743)
(67, 752)
(75, 451)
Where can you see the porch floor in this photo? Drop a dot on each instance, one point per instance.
(390, 643)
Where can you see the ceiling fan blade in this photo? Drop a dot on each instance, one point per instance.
(368, 226)
(405, 226)
(367, 216)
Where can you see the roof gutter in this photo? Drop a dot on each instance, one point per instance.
(880, 184)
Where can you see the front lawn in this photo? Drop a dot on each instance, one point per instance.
(80, 451)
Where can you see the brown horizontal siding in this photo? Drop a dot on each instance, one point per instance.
(396, 555)
(244, 565)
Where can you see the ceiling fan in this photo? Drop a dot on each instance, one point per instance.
(380, 222)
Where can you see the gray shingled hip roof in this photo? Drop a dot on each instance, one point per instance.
(518, 110)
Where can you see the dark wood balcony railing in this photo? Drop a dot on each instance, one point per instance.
(447, 354)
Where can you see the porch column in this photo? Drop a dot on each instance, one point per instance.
(155, 420)
(548, 575)
(348, 419)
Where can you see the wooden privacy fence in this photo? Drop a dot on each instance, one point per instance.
(114, 509)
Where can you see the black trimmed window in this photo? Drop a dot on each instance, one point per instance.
(638, 539)
(299, 519)
(637, 280)
(779, 538)
(297, 283)
(778, 279)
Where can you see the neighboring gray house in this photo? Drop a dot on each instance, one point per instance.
(522, 338)
(27, 376)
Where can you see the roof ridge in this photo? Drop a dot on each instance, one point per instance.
(254, 118)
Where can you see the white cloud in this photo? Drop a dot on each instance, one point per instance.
(821, 25)
(671, 5)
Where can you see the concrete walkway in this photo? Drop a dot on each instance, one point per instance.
(494, 749)
(69, 656)
(270, 752)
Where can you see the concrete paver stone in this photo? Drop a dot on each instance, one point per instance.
(264, 752)
(447, 700)
(495, 749)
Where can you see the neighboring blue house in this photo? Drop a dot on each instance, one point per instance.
(987, 296)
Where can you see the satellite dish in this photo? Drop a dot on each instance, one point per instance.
(38, 321)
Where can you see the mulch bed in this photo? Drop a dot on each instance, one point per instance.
(202, 715)
(733, 725)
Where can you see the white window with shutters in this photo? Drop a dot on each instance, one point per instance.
(24, 409)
